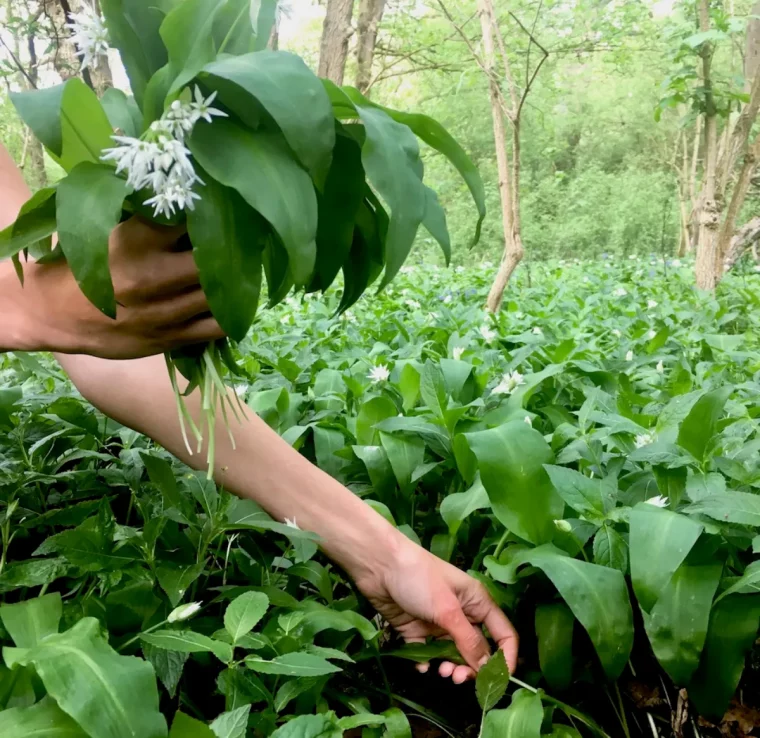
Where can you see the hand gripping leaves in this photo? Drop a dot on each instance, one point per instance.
(272, 169)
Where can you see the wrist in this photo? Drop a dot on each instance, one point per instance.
(368, 546)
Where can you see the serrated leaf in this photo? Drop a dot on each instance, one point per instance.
(243, 614)
(492, 681)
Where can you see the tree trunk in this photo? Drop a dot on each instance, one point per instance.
(336, 32)
(746, 237)
(708, 210)
(513, 248)
(370, 15)
(738, 196)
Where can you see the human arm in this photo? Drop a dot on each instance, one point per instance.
(419, 594)
(161, 305)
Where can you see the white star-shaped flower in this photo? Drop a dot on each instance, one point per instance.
(379, 373)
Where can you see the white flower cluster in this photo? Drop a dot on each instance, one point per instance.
(159, 160)
(643, 439)
(487, 333)
(379, 373)
(509, 383)
(88, 32)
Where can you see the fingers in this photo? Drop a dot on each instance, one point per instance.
(469, 639)
(153, 277)
(145, 235)
(459, 673)
(504, 633)
(198, 331)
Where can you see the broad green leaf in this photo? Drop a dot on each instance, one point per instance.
(243, 614)
(358, 721)
(379, 469)
(699, 426)
(457, 507)
(85, 129)
(610, 549)
(233, 724)
(391, 158)
(186, 641)
(176, 580)
(187, 727)
(41, 111)
(435, 223)
(168, 665)
(260, 167)
(731, 633)
(598, 597)
(109, 695)
(292, 689)
(437, 137)
(162, 475)
(492, 681)
(409, 384)
(742, 508)
(319, 618)
(699, 486)
(36, 222)
(122, 112)
(677, 624)
(292, 664)
(370, 414)
(45, 719)
(30, 622)
(423, 652)
(554, 630)
(522, 718)
(328, 386)
(584, 495)
(228, 238)
(133, 29)
(327, 441)
(290, 93)
(405, 454)
(339, 203)
(433, 389)
(308, 726)
(187, 33)
(396, 724)
(88, 207)
(660, 541)
(263, 15)
(748, 582)
(511, 461)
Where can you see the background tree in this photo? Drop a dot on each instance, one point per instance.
(336, 33)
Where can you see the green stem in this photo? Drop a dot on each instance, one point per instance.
(137, 637)
(500, 545)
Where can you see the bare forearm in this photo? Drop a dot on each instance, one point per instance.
(263, 467)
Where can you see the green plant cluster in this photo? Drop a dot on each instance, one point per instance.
(590, 455)
(290, 178)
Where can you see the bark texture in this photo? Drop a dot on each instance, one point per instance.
(336, 33)
(370, 15)
(509, 172)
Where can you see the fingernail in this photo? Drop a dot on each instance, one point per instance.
(483, 662)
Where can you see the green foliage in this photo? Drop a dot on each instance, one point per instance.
(279, 629)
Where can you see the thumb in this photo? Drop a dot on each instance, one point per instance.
(468, 638)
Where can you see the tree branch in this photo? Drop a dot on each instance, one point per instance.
(18, 64)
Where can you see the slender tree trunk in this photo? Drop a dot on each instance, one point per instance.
(370, 15)
(708, 210)
(738, 196)
(513, 248)
(33, 157)
(336, 32)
